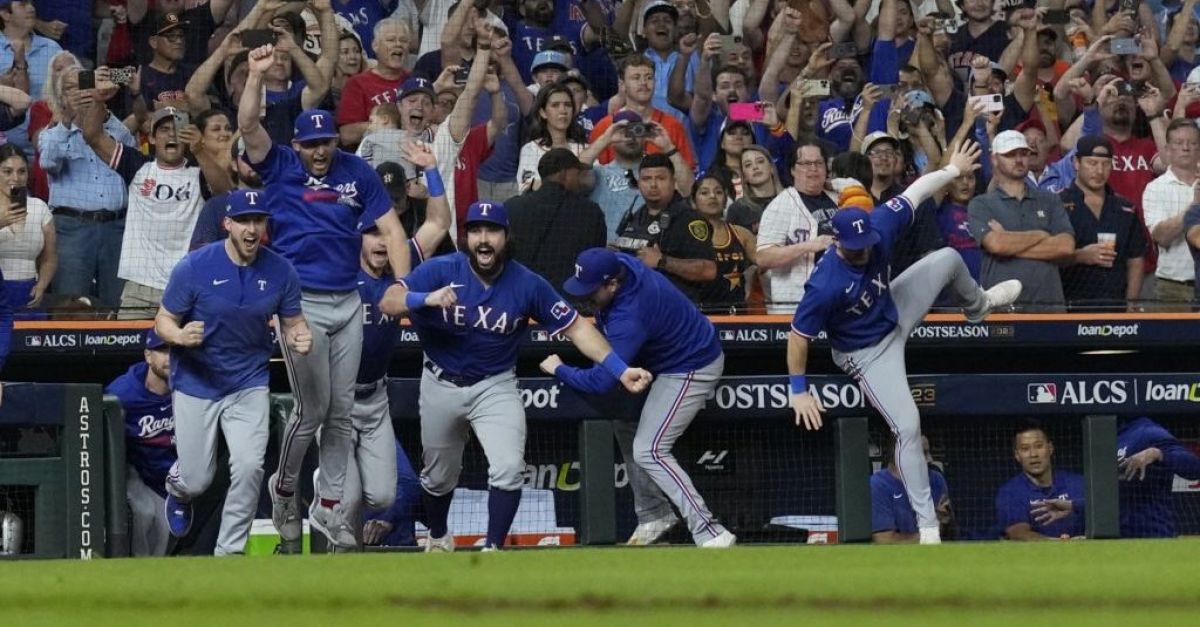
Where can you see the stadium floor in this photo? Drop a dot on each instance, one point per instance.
(1124, 583)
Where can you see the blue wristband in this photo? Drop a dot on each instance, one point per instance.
(433, 182)
(614, 364)
(799, 384)
(415, 300)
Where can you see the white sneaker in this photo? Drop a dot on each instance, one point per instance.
(490, 549)
(285, 514)
(930, 535)
(331, 522)
(999, 295)
(650, 532)
(444, 544)
(725, 540)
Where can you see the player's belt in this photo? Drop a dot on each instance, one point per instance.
(452, 379)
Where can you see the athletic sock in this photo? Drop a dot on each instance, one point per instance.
(437, 511)
(502, 508)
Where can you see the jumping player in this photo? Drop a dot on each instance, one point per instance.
(215, 314)
(868, 318)
(318, 196)
(376, 460)
(145, 397)
(470, 310)
(648, 320)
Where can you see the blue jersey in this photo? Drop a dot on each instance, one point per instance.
(235, 304)
(890, 507)
(480, 335)
(650, 323)
(380, 331)
(528, 40)
(149, 427)
(854, 305)
(1017, 497)
(314, 221)
(1146, 507)
(363, 15)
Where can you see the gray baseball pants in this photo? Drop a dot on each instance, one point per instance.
(323, 386)
(150, 530)
(881, 371)
(649, 502)
(242, 417)
(671, 405)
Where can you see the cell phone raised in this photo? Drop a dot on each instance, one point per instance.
(259, 37)
(992, 103)
(843, 50)
(1125, 46)
(729, 44)
(18, 197)
(814, 87)
(87, 79)
(121, 75)
(746, 111)
(460, 75)
(1056, 16)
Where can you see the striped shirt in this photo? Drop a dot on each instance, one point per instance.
(787, 221)
(1167, 197)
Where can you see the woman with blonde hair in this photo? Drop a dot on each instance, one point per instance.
(44, 113)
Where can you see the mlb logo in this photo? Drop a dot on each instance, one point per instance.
(727, 335)
(1042, 393)
(540, 336)
(34, 341)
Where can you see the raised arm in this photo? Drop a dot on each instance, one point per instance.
(204, 75)
(215, 173)
(327, 62)
(258, 143)
(701, 102)
(433, 230)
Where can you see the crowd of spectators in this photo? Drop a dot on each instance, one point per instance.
(713, 139)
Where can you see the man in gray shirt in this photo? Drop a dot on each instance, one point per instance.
(1024, 231)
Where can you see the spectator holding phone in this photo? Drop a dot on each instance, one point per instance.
(24, 59)
(28, 250)
(727, 163)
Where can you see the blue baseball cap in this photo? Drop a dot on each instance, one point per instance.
(246, 202)
(315, 124)
(153, 342)
(415, 85)
(852, 227)
(593, 267)
(485, 211)
(551, 57)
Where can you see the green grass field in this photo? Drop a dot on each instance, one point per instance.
(1123, 583)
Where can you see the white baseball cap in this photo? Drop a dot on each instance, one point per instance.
(1009, 141)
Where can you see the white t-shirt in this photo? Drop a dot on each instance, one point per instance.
(527, 164)
(20, 244)
(787, 221)
(163, 207)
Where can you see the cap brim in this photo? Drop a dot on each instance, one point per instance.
(312, 136)
(249, 212)
(575, 287)
(543, 66)
(867, 240)
(1012, 150)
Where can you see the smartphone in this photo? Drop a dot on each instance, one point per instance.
(1125, 46)
(729, 44)
(121, 75)
(1056, 16)
(992, 103)
(460, 75)
(814, 87)
(258, 37)
(18, 197)
(889, 91)
(746, 111)
(87, 79)
(843, 50)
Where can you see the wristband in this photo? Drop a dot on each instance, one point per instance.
(433, 182)
(799, 384)
(614, 364)
(415, 300)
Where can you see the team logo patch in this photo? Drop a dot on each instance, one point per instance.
(560, 310)
(698, 229)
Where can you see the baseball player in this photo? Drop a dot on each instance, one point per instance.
(1149, 457)
(376, 460)
(145, 396)
(868, 317)
(470, 310)
(215, 314)
(318, 196)
(648, 320)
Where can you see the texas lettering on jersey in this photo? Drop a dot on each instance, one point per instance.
(481, 317)
(869, 292)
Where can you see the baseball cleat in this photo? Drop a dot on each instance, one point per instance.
(332, 524)
(444, 544)
(490, 549)
(284, 513)
(648, 533)
(179, 516)
(999, 295)
(930, 535)
(725, 540)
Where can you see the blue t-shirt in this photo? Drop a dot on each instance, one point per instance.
(528, 40)
(953, 225)
(1147, 510)
(314, 221)
(479, 336)
(501, 165)
(890, 507)
(652, 324)
(363, 15)
(149, 427)
(210, 225)
(380, 331)
(854, 305)
(234, 303)
(1017, 497)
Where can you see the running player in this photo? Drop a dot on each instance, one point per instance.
(215, 314)
(319, 195)
(868, 318)
(650, 321)
(470, 310)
